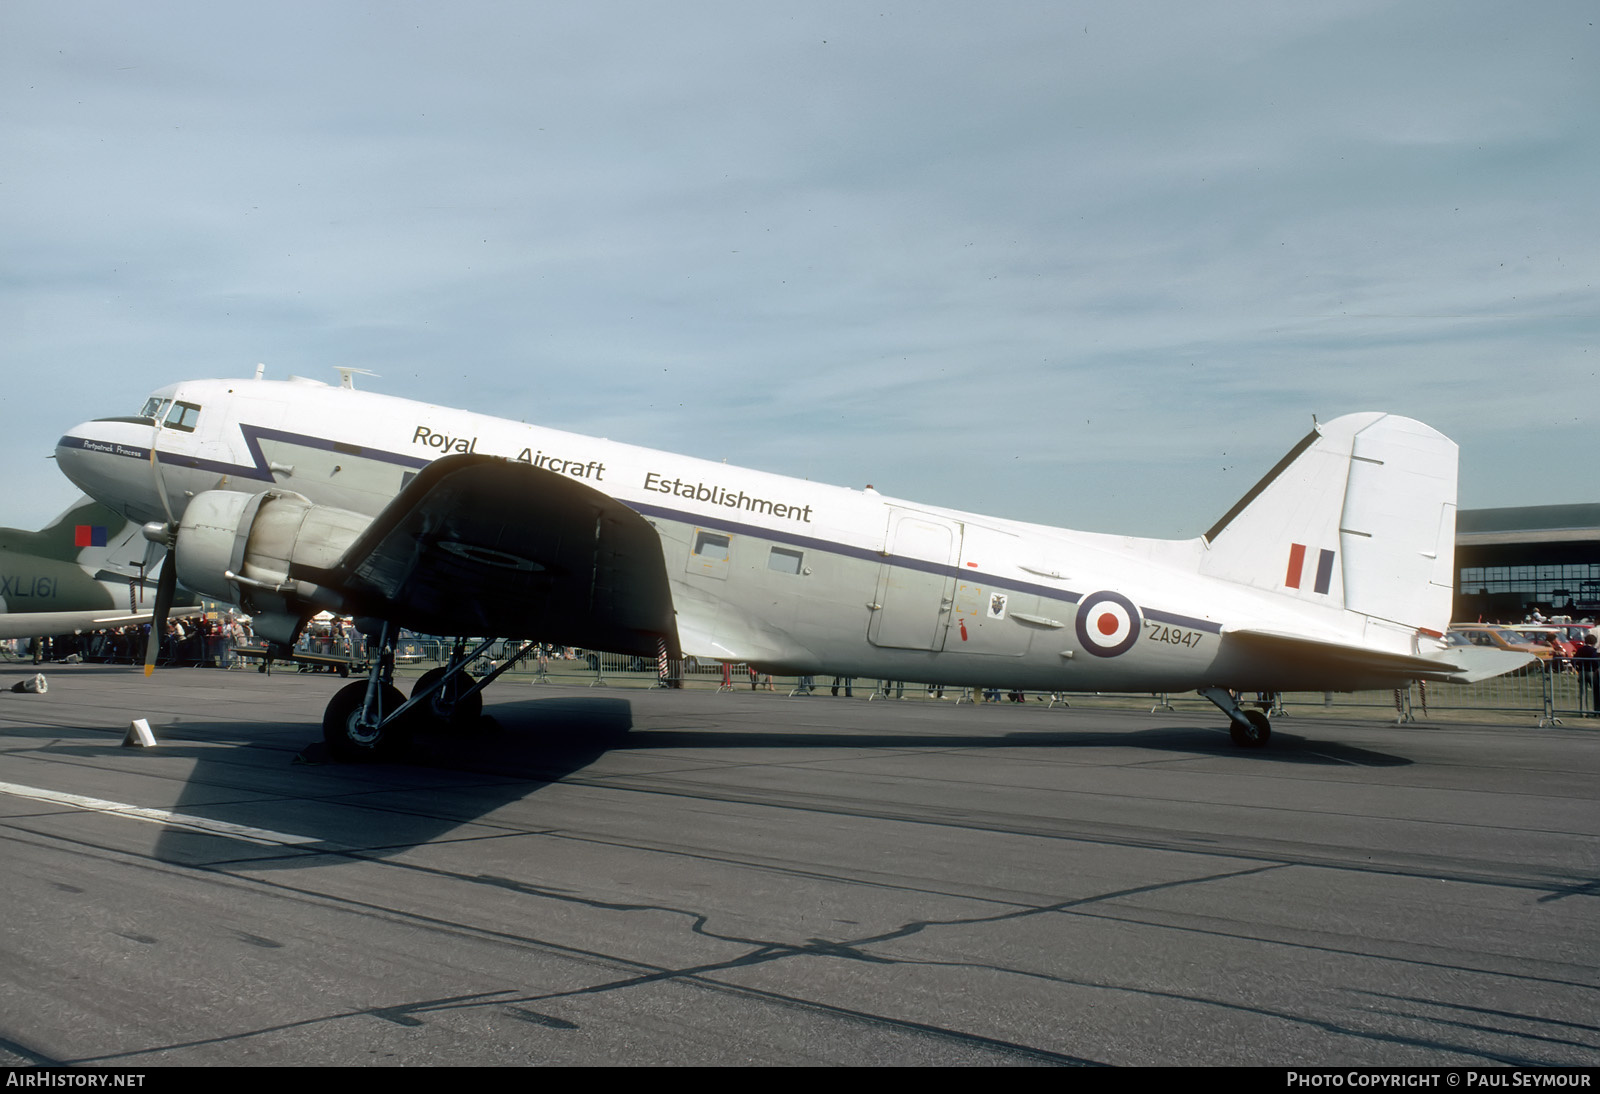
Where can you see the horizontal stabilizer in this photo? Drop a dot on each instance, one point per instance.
(1296, 663)
(1480, 663)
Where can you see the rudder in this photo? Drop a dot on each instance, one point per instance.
(1360, 516)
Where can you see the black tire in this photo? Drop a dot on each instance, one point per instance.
(1258, 733)
(443, 708)
(350, 742)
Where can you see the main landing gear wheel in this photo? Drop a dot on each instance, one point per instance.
(443, 706)
(1256, 735)
(346, 736)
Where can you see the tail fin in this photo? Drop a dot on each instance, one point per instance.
(1359, 515)
(88, 533)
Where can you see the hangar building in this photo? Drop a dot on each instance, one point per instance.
(1511, 561)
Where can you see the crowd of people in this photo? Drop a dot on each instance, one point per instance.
(187, 641)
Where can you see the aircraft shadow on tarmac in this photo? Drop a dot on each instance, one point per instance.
(450, 780)
(1187, 740)
(442, 783)
(544, 740)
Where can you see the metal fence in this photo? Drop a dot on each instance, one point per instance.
(1544, 694)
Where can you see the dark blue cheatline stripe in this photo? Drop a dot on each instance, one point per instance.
(1173, 619)
(168, 459)
(255, 434)
(778, 535)
(940, 569)
(723, 525)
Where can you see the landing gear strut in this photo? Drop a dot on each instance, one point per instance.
(452, 702)
(447, 694)
(1248, 728)
(360, 722)
(373, 720)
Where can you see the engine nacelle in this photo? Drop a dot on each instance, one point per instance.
(242, 547)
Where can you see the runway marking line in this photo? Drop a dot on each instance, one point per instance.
(157, 816)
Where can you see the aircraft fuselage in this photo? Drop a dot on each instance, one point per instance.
(783, 573)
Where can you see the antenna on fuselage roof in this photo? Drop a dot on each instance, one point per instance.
(261, 369)
(347, 375)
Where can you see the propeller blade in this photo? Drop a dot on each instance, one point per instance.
(154, 551)
(165, 589)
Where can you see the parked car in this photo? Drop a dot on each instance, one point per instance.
(1550, 637)
(1499, 637)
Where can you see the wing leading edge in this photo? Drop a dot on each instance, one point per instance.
(479, 545)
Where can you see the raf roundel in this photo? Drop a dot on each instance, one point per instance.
(1107, 624)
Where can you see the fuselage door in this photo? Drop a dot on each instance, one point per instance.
(916, 584)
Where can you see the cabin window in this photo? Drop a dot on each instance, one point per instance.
(183, 416)
(709, 557)
(712, 546)
(784, 560)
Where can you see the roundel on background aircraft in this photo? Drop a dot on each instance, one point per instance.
(1107, 624)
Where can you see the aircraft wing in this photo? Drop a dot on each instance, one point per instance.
(478, 545)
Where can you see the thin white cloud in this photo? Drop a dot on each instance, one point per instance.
(1067, 262)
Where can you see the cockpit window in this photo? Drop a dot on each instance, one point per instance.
(183, 416)
(154, 408)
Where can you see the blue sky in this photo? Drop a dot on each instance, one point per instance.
(1083, 264)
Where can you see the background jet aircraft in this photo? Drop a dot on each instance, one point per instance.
(1333, 573)
(81, 572)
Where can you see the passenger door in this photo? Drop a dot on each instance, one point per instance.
(916, 584)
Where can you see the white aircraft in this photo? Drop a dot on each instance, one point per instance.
(1334, 573)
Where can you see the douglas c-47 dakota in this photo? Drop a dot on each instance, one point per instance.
(291, 497)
